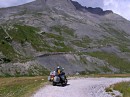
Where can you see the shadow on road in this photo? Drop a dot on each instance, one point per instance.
(59, 85)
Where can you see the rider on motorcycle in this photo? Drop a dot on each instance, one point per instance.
(58, 76)
(59, 71)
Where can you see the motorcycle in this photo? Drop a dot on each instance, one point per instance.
(57, 79)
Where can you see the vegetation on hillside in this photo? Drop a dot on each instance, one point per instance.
(61, 38)
(118, 37)
(122, 64)
(46, 41)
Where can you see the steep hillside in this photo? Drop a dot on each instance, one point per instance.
(45, 33)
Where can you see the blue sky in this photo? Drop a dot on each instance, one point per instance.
(121, 7)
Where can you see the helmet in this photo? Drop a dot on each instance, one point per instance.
(58, 67)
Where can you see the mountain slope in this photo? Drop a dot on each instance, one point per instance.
(50, 33)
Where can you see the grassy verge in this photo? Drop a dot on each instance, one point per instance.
(21, 86)
(123, 87)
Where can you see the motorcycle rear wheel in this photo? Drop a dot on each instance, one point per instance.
(65, 82)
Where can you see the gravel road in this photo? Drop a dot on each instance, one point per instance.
(80, 87)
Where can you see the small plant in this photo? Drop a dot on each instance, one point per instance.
(124, 88)
(109, 89)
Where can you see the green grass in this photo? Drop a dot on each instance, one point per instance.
(2, 33)
(24, 33)
(122, 45)
(83, 59)
(118, 38)
(54, 36)
(63, 38)
(106, 40)
(82, 42)
(61, 47)
(8, 50)
(58, 43)
(5, 47)
(113, 60)
(124, 48)
(21, 34)
(21, 86)
(109, 89)
(60, 39)
(79, 43)
(63, 30)
(119, 34)
(105, 69)
(123, 87)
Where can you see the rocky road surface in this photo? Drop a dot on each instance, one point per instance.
(81, 87)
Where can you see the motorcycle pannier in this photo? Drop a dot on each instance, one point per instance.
(56, 79)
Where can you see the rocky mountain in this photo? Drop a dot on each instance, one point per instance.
(38, 36)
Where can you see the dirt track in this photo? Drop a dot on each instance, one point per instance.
(85, 87)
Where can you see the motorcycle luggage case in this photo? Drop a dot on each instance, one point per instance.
(56, 79)
(49, 78)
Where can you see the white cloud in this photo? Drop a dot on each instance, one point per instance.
(129, 5)
(121, 7)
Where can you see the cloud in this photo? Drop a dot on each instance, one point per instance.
(120, 7)
(8, 3)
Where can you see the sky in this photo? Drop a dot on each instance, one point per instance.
(8, 3)
(121, 7)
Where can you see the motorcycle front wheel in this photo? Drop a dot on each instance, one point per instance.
(66, 82)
